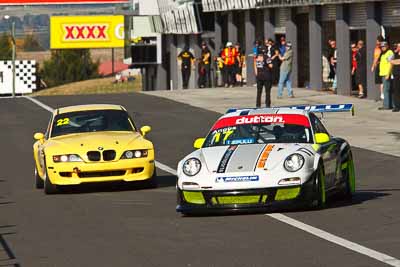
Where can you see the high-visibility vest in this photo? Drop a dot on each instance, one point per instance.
(229, 55)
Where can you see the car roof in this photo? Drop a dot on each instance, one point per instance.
(265, 111)
(88, 107)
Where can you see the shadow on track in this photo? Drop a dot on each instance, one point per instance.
(333, 202)
(5, 202)
(10, 260)
(162, 181)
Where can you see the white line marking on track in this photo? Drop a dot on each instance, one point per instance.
(37, 102)
(165, 168)
(337, 240)
(389, 260)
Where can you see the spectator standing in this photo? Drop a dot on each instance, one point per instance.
(396, 79)
(238, 64)
(228, 56)
(205, 66)
(353, 62)
(285, 71)
(385, 73)
(276, 63)
(187, 59)
(361, 69)
(282, 46)
(375, 64)
(263, 70)
(333, 61)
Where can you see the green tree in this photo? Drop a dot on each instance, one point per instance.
(66, 66)
(31, 43)
(5, 47)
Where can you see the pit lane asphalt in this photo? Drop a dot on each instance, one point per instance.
(116, 227)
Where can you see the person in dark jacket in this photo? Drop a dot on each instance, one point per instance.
(264, 74)
(187, 59)
(205, 66)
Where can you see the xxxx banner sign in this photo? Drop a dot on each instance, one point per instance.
(86, 32)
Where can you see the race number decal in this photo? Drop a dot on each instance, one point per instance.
(62, 122)
(222, 134)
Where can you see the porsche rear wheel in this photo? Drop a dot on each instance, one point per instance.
(349, 176)
(39, 183)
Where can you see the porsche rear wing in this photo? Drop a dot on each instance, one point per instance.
(325, 108)
(312, 108)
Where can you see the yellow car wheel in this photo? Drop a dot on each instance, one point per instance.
(49, 188)
(152, 182)
(39, 183)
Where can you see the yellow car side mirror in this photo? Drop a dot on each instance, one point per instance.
(322, 138)
(39, 137)
(145, 130)
(199, 143)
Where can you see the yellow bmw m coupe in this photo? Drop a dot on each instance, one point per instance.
(91, 144)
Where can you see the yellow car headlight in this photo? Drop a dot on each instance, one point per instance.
(67, 158)
(134, 154)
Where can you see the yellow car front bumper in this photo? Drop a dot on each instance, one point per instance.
(74, 173)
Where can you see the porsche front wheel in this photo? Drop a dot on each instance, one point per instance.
(319, 188)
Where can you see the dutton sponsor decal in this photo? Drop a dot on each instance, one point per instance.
(86, 32)
(295, 119)
(260, 119)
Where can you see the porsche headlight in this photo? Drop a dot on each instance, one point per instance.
(191, 167)
(132, 154)
(294, 162)
(67, 158)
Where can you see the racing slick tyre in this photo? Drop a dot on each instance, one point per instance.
(349, 177)
(39, 183)
(319, 189)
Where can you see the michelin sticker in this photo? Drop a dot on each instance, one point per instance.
(235, 179)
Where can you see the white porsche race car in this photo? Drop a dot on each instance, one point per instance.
(258, 158)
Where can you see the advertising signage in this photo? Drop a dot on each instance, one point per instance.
(58, 2)
(86, 32)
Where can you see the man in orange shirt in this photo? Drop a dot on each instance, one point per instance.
(228, 56)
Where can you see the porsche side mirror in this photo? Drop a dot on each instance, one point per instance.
(199, 143)
(322, 138)
(145, 130)
(39, 137)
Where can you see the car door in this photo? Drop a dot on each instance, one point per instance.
(329, 152)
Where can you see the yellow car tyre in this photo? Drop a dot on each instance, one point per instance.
(39, 184)
(49, 188)
(152, 182)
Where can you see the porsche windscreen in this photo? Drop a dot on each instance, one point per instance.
(91, 121)
(260, 129)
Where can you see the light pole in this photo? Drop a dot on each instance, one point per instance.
(14, 49)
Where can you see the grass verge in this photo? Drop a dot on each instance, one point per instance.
(95, 86)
